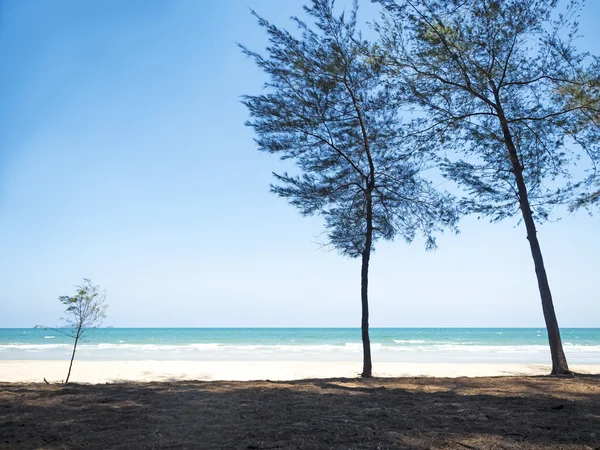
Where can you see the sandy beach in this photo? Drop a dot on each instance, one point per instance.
(146, 371)
(340, 414)
(296, 405)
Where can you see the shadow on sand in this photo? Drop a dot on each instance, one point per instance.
(502, 412)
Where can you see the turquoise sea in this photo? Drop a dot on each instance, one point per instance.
(484, 345)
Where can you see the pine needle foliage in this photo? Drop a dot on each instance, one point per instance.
(500, 84)
(85, 309)
(329, 108)
(469, 63)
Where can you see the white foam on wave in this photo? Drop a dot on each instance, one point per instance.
(358, 345)
(233, 348)
(415, 349)
(458, 347)
(595, 348)
(217, 346)
(507, 349)
(430, 343)
(32, 346)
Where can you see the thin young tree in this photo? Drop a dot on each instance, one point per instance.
(84, 310)
(491, 77)
(327, 107)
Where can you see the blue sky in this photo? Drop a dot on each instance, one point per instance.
(124, 158)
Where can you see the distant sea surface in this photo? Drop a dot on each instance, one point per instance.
(481, 345)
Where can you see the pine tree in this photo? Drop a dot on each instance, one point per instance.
(491, 77)
(328, 107)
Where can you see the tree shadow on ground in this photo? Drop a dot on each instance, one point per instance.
(503, 412)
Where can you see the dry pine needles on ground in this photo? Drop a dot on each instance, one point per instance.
(419, 413)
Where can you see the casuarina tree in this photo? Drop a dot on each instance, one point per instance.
(493, 80)
(327, 107)
(84, 310)
(588, 95)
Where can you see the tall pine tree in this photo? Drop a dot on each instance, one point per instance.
(492, 78)
(328, 108)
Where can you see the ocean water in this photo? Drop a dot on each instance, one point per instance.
(482, 345)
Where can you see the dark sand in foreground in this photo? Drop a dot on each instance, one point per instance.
(384, 413)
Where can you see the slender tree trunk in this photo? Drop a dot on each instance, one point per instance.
(559, 360)
(366, 254)
(364, 292)
(73, 355)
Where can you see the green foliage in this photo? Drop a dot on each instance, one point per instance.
(472, 65)
(328, 107)
(86, 308)
(587, 97)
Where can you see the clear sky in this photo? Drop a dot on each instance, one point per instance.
(124, 158)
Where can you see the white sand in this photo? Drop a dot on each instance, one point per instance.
(121, 371)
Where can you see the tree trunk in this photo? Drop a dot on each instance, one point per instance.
(366, 253)
(364, 292)
(73, 355)
(559, 361)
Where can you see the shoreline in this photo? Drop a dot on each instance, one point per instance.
(99, 372)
